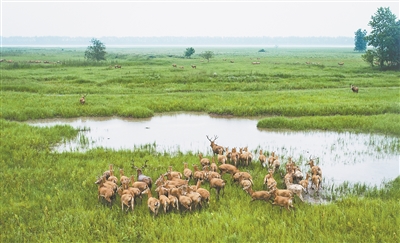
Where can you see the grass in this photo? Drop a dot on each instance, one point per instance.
(51, 196)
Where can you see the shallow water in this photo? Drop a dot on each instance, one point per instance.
(355, 158)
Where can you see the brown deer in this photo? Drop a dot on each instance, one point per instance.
(215, 147)
(82, 99)
(354, 88)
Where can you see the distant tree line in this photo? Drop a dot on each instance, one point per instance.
(176, 40)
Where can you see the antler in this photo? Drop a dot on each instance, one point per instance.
(133, 165)
(145, 164)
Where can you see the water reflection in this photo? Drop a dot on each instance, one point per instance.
(362, 158)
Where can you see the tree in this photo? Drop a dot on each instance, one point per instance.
(359, 40)
(96, 51)
(385, 38)
(189, 52)
(207, 55)
(369, 57)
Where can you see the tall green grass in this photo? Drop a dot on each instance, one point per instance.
(282, 85)
(50, 196)
(384, 124)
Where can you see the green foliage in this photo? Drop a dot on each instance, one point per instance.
(189, 52)
(96, 52)
(261, 50)
(385, 38)
(374, 124)
(369, 57)
(360, 43)
(207, 55)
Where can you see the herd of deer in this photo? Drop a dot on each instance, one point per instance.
(174, 189)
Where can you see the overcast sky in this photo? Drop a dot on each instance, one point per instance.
(88, 18)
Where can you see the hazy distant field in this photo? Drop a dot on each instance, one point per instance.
(283, 84)
(51, 196)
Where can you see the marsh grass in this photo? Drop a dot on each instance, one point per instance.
(51, 196)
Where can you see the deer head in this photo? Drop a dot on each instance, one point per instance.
(212, 141)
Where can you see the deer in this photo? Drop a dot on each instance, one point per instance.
(184, 200)
(123, 179)
(234, 157)
(354, 88)
(340, 63)
(205, 194)
(173, 174)
(153, 203)
(269, 180)
(174, 181)
(228, 168)
(141, 176)
(164, 200)
(128, 196)
(105, 192)
(128, 200)
(187, 172)
(142, 186)
(208, 175)
(245, 157)
(203, 161)
(109, 184)
(262, 158)
(286, 202)
(215, 147)
(271, 158)
(228, 154)
(242, 175)
(213, 166)
(218, 185)
(198, 174)
(305, 182)
(315, 169)
(221, 157)
(258, 195)
(193, 66)
(82, 99)
(316, 181)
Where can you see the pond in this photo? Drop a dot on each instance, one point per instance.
(344, 157)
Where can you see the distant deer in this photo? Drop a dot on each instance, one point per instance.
(354, 88)
(82, 99)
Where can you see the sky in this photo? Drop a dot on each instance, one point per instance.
(128, 18)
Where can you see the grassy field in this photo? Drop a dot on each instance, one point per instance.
(49, 196)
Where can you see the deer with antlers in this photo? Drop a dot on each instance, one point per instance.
(141, 176)
(215, 147)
